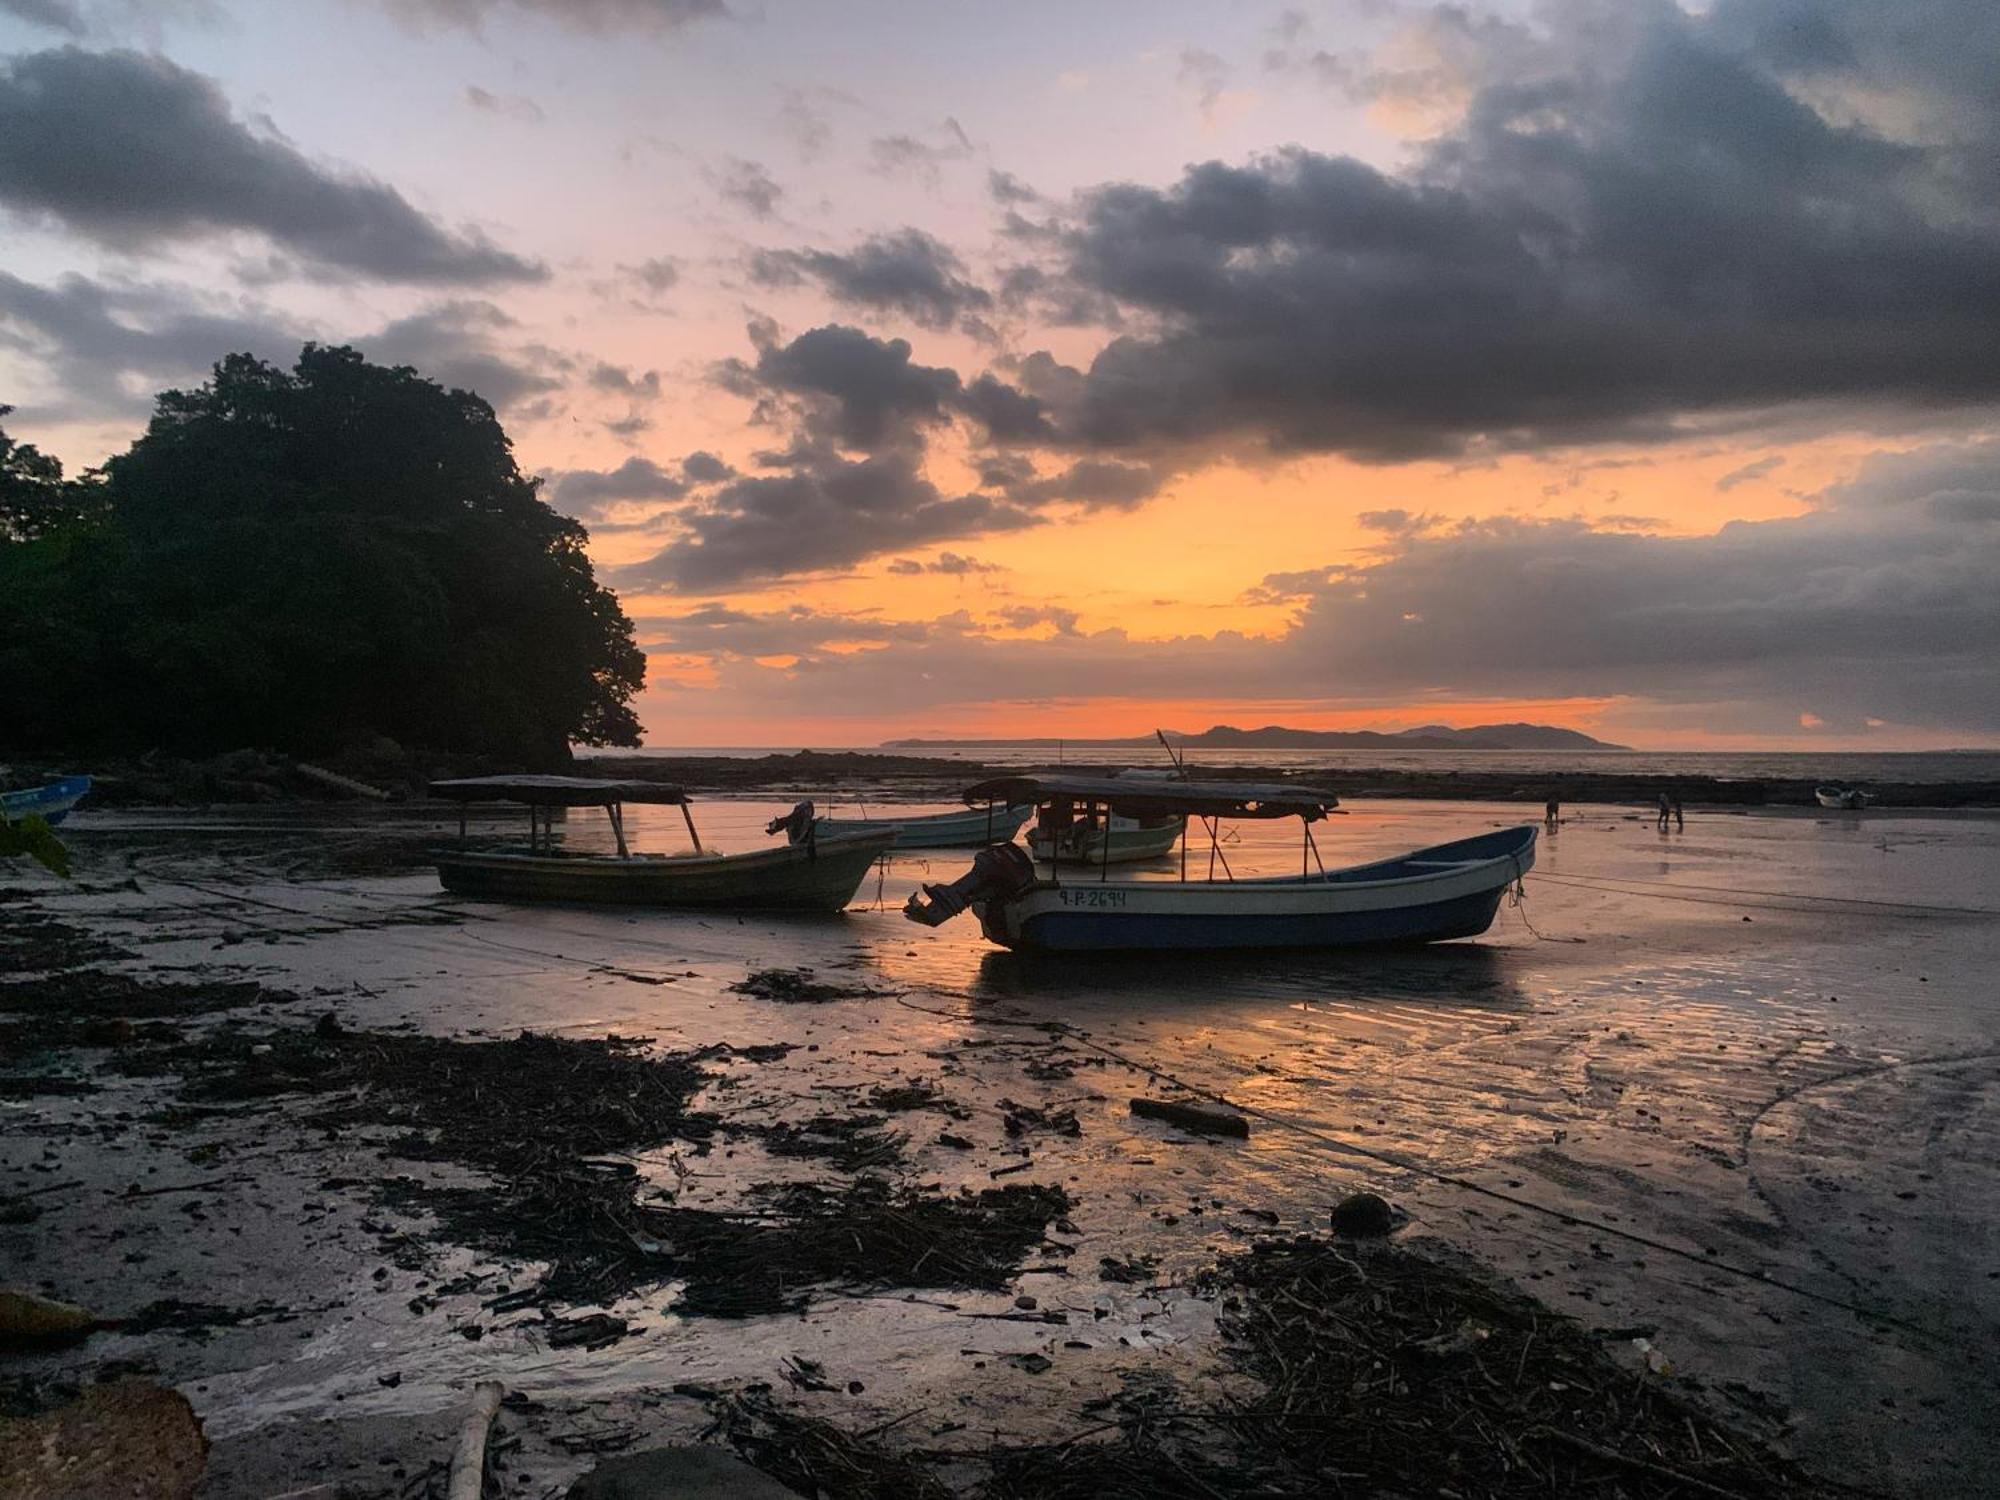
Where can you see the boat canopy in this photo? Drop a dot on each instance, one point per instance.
(557, 791)
(1136, 798)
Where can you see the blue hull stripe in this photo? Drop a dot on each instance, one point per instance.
(1078, 931)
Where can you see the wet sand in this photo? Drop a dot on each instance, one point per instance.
(1737, 1084)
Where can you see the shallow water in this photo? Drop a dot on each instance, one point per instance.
(1740, 1083)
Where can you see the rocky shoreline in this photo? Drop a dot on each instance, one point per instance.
(253, 776)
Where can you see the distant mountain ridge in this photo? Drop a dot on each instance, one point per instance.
(1278, 737)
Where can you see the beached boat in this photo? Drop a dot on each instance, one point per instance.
(51, 803)
(817, 874)
(966, 828)
(1429, 895)
(1846, 799)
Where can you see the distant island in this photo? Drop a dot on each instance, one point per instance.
(1278, 737)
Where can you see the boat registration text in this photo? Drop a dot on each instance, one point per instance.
(1084, 896)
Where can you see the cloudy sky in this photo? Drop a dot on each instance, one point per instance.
(1072, 368)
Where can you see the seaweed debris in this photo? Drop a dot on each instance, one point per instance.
(601, 1241)
(539, 1113)
(32, 942)
(1382, 1371)
(916, 1093)
(799, 987)
(850, 1142)
(1019, 1119)
(818, 1458)
(106, 993)
(510, 1106)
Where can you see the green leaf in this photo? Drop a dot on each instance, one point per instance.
(33, 837)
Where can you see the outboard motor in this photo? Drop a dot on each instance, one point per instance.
(998, 871)
(796, 825)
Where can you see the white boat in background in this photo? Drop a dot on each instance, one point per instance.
(1430, 895)
(1131, 840)
(963, 828)
(1842, 799)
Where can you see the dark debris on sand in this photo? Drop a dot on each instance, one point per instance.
(799, 987)
(541, 1113)
(850, 1142)
(1381, 1370)
(32, 943)
(602, 1241)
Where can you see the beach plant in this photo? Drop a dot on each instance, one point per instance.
(31, 837)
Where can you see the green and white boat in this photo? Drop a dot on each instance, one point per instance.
(817, 874)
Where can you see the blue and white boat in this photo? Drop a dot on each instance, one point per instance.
(52, 803)
(1429, 895)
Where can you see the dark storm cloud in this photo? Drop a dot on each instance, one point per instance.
(132, 150)
(54, 15)
(585, 491)
(596, 17)
(726, 633)
(623, 382)
(853, 389)
(1877, 604)
(109, 346)
(1092, 483)
(461, 344)
(819, 517)
(834, 391)
(1008, 415)
(1634, 229)
(1008, 190)
(951, 564)
(907, 272)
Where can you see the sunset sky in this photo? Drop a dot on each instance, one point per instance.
(951, 368)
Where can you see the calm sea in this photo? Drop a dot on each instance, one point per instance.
(1842, 767)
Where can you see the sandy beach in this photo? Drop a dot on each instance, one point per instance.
(1729, 1095)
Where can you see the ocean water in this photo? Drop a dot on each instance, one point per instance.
(1847, 768)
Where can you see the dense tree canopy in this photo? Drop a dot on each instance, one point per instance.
(305, 559)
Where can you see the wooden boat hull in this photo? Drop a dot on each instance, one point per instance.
(1431, 895)
(969, 829)
(51, 803)
(1128, 846)
(822, 876)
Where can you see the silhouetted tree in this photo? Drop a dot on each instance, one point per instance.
(311, 559)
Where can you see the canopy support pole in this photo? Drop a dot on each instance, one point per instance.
(617, 811)
(689, 815)
(1104, 865)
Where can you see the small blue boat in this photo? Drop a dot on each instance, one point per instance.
(51, 803)
(1429, 895)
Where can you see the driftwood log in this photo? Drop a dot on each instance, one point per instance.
(468, 1463)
